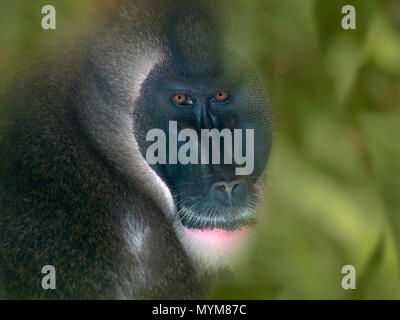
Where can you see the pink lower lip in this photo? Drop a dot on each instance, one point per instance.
(218, 237)
(218, 233)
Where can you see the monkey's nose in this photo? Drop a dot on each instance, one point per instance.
(229, 193)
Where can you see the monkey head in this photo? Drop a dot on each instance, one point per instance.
(202, 86)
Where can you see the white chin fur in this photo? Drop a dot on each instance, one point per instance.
(211, 250)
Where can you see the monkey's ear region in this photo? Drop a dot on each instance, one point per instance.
(182, 99)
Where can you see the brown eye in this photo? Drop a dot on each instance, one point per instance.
(221, 95)
(182, 99)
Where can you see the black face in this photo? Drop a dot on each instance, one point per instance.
(207, 195)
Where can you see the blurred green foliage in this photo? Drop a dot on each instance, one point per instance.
(333, 181)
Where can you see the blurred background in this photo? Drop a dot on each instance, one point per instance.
(333, 182)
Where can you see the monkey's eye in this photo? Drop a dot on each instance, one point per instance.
(221, 95)
(182, 99)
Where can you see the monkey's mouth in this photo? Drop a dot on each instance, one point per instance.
(221, 231)
(213, 233)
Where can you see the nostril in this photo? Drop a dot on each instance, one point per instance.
(219, 191)
(239, 192)
(221, 187)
